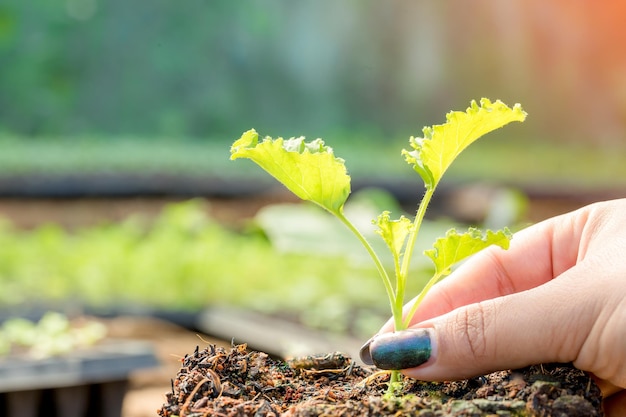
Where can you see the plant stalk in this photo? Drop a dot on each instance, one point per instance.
(400, 322)
(394, 378)
(420, 297)
(379, 265)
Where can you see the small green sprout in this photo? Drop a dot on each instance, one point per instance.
(312, 172)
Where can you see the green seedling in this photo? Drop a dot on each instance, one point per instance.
(313, 173)
(52, 335)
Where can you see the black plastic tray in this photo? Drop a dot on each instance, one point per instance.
(90, 382)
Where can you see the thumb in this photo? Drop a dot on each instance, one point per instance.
(508, 332)
(615, 405)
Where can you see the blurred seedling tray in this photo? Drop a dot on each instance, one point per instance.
(84, 382)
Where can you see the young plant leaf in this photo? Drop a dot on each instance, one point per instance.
(393, 232)
(432, 155)
(310, 170)
(455, 247)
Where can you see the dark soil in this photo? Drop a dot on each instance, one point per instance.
(238, 382)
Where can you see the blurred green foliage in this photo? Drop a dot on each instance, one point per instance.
(79, 66)
(516, 162)
(54, 334)
(212, 69)
(183, 260)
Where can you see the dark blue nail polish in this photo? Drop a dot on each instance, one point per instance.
(400, 350)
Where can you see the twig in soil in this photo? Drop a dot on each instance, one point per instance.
(217, 383)
(347, 370)
(217, 388)
(366, 381)
(331, 361)
(211, 362)
(187, 403)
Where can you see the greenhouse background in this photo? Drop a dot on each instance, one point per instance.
(118, 198)
(207, 70)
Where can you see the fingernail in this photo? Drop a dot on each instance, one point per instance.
(398, 350)
(364, 353)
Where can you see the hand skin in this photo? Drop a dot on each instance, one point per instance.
(557, 295)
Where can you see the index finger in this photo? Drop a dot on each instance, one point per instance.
(536, 255)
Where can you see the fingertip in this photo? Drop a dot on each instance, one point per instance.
(404, 349)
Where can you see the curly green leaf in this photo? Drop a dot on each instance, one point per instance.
(455, 247)
(393, 232)
(432, 155)
(310, 170)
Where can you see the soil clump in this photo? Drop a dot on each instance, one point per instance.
(238, 382)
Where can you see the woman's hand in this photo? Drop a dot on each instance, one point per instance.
(557, 295)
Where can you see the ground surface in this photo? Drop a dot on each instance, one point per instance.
(237, 382)
(171, 343)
